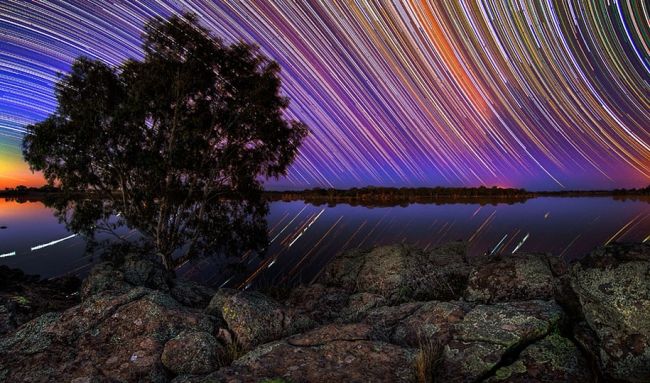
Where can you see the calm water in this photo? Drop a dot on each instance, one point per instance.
(304, 237)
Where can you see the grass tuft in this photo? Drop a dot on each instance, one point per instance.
(232, 352)
(428, 359)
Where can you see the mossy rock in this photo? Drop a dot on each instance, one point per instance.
(511, 278)
(255, 319)
(401, 273)
(552, 359)
(613, 287)
(487, 333)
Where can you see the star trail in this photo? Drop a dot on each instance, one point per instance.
(534, 94)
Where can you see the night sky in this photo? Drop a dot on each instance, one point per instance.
(541, 95)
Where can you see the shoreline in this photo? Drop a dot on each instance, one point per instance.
(390, 313)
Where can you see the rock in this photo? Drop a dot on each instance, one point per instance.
(134, 271)
(488, 332)
(511, 278)
(104, 277)
(8, 313)
(552, 359)
(139, 271)
(509, 324)
(332, 354)
(191, 294)
(385, 272)
(321, 303)
(345, 361)
(191, 352)
(373, 316)
(215, 307)
(588, 341)
(359, 304)
(333, 332)
(433, 321)
(33, 337)
(343, 270)
(400, 273)
(468, 361)
(613, 286)
(255, 319)
(117, 337)
(385, 318)
(25, 297)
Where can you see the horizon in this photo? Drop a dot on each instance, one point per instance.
(554, 103)
(293, 188)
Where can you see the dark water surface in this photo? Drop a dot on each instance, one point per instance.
(305, 237)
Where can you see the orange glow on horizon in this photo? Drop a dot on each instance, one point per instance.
(14, 172)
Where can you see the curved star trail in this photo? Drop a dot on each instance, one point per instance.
(532, 94)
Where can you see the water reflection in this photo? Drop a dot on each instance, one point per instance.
(176, 228)
(304, 237)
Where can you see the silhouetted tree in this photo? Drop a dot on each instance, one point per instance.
(177, 143)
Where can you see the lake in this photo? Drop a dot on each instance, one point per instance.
(304, 237)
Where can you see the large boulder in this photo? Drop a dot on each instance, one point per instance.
(552, 359)
(104, 277)
(432, 322)
(509, 324)
(359, 305)
(613, 286)
(138, 271)
(192, 352)
(110, 337)
(324, 304)
(385, 318)
(511, 278)
(190, 293)
(489, 332)
(334, 353)
(401, 273)
(255, 318)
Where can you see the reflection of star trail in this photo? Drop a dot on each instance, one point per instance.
(287, 225)
(483, 225)
(576, 226)
(522, 93)
(625, 227)
(496, 248)
(52, 243)
(520, 244)
(314, 247)
(306, 228)
(8, 254)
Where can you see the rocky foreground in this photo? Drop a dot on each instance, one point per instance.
(393, 314)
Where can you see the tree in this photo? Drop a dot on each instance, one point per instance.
(175, 144)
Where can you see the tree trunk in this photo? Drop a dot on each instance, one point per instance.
(167, 261)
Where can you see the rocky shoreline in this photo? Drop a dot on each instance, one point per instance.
(393, 314)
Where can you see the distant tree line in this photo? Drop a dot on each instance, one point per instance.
(383, 195)
(582, 193)
(374, 193)
(22, 190)
(377, 193)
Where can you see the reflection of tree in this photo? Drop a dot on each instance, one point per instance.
(207, 227)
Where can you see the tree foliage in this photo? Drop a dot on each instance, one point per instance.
(176, 143)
